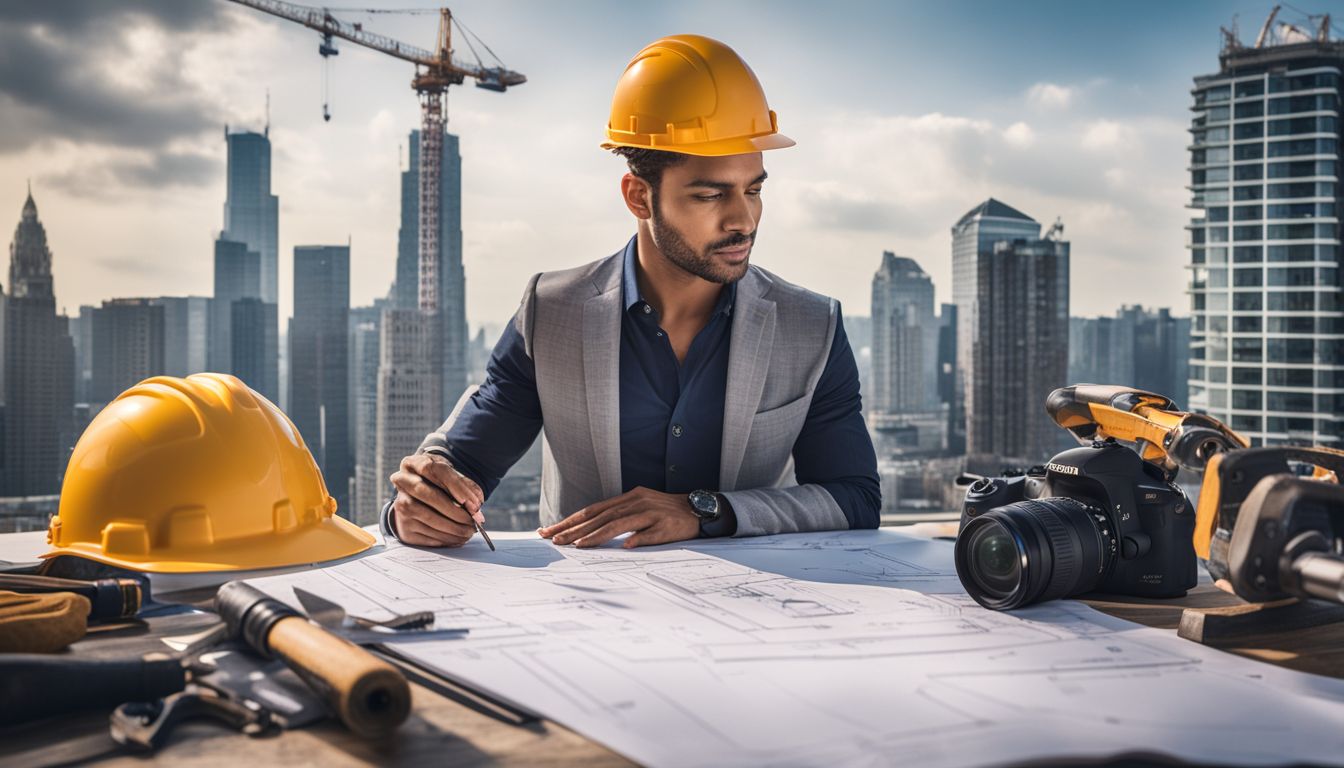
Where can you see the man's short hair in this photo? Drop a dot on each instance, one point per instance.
(649, 164)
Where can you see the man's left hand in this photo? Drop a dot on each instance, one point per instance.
(651, 517)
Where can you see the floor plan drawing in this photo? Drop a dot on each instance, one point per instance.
(853, 648)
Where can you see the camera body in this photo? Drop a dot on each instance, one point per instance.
(1100, 518)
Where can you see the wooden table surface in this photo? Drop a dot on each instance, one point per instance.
(441, 731)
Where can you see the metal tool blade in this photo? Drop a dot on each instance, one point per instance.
(320, 609)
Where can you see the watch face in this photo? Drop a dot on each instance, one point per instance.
(704, 504)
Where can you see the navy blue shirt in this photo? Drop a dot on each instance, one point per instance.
(671, 417)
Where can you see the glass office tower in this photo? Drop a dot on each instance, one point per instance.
(1266, 341)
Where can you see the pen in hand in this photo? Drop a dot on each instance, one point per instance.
(476, 517)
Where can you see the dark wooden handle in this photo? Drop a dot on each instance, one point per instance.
(369, 695)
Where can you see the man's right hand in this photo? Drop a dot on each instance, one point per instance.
(426, 512)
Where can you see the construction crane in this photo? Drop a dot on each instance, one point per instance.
(435, 71)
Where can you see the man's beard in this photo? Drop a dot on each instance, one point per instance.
(670, 241)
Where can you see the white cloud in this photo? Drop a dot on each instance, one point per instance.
(1051, 95)
(1105, 134)
(1019, 134)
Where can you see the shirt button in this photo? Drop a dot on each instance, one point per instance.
(672, 468)
(660, 334)
(676, 430)
(647, 309)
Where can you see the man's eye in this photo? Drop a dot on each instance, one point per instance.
(708, 198)
(753, 191)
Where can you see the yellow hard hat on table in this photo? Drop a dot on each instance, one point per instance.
(693, 95)
(197, 474)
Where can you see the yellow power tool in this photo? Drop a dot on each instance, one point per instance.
(1162, 434)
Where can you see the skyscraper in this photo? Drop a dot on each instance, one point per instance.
(255, 357)
(1265, 354)
(319, 359)
(186, 325)
(253, 335)
(905, 337)
(973, 238)
(251, 212)
(452, 279)
(947, 379)
(81, 333)
(128, 346)
(408, 397)
(423, 350)
(1135, 348)
(904, 407)
(38, 369)
(369, 490)
(1020, 348)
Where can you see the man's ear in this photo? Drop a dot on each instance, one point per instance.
(638, 196)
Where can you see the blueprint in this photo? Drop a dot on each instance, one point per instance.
(845, 648)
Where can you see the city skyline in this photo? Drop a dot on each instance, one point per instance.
(1103, 147)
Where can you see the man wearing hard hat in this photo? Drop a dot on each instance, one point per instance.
(682, 391)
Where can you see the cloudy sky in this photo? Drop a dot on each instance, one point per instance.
(906, 115)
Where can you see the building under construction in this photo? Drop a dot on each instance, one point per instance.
(1265, 239)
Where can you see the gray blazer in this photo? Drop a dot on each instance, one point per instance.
(781, 334)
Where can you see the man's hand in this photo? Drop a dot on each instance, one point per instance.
(650, 516)
(426, 512)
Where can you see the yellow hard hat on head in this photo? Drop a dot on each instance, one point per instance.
(197, 474)
(693, 95)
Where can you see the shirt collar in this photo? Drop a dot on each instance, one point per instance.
(630, 284)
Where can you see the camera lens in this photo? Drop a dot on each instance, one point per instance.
(1033, 551)
(997, 569)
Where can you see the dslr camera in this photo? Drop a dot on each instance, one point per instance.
(1098, 518)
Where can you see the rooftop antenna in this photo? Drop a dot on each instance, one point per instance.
(268, 113)
(1231, 37)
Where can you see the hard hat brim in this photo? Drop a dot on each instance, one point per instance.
(719, 148)
(332, 538)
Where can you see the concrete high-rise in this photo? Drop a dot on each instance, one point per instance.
(186, 325)
(251, 212)
(1265, 350)
(408, 395)
(38, 368)
(904, 407)
(1135, 348)
(253, 329)
(905, 337)
(81, 333)
(369, 490)
(973, 238)
(128, 346)
(452, 307)
(319, 355)
(255, 357)
(947, 379)
(1020, 349)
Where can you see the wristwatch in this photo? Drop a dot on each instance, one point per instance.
(705, 505)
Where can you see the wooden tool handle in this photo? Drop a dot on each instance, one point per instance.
(369, 695)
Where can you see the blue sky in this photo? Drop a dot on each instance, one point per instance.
(906, 114)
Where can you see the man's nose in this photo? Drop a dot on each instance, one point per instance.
(739, 217)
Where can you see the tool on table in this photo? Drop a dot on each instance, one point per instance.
(362, 631)
(371, 697)
(1270, 532)
(109, 598)
(36, 685)
(1162, 433)
(208, 476)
